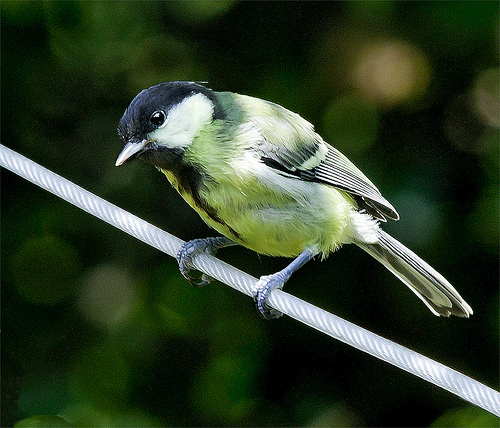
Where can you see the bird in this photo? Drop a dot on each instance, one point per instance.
(262, 177)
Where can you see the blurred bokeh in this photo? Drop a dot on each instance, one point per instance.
(98, 329)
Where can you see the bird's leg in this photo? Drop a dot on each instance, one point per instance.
(268, 283)
(192, 248)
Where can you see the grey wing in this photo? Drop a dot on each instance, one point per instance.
(321, 163)
(340, 172)
(290, 146)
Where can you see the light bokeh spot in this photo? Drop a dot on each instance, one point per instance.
(392, 71)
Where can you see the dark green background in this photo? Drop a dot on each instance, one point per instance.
(102, 330)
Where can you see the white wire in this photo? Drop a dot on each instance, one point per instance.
(338, 328)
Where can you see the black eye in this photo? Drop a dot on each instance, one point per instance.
(157, 118)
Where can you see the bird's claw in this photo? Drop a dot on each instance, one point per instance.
(185, 259)
(263, 289)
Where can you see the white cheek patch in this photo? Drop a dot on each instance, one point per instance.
(184, 122)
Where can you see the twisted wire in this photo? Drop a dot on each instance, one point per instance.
(338, 328)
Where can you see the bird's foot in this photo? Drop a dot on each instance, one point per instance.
(268, 283)
(190, 250)
(263, 289)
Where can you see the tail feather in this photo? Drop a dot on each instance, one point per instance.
(430, 286)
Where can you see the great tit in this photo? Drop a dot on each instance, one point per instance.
(261, 176)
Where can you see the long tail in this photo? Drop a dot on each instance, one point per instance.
(430, 286)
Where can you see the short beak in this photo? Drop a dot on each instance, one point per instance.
(131, 151)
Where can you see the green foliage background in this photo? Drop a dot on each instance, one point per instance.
(100, 330)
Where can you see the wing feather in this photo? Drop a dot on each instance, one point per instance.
(340, 172)
(290, 145)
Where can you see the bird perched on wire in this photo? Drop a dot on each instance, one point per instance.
(261, 176)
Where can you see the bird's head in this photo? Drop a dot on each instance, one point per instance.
(162, 121)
